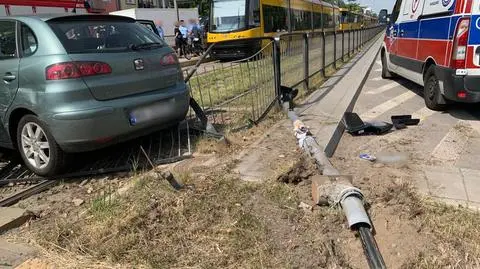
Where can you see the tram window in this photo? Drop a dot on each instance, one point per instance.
(254, 8)
(275, 19)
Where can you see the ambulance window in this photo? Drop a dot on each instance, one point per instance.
(396, 11)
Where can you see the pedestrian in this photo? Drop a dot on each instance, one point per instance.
(183, 29)
(178, 37)
(160, 29)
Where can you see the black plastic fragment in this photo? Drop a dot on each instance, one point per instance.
(356, 126)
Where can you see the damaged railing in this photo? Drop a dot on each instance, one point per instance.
(239, 94)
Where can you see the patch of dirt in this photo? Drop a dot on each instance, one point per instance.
(304, 168)
(411, 230)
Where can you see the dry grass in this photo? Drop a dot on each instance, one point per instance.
(453, 232)
(456, 237)
(208, 226)
(217, 222)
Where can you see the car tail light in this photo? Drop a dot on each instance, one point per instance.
(460, 43)
(169, 59)
(68, 70)
(462, 94)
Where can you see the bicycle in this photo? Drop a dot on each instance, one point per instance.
(186, 49)
(196, 46)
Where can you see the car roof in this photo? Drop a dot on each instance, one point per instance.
(62, 16)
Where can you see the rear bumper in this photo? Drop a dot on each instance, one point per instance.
(108, 122)
(453, 84)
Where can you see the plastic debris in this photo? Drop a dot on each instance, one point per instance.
(368, 157)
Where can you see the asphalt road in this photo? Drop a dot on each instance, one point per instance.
(444, 148)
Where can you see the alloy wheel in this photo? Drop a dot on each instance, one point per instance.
(35, 145)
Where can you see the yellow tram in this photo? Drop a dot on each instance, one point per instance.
(241, 20)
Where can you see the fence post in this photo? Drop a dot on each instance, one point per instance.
(335, 49)
(276, 67)
(354, 41)
(306, 58)
(324, 73)
(349, 44)
(361, 37)
(343, 46)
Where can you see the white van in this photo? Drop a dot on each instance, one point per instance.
(435, 43)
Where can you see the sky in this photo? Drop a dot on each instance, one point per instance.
(378, 4)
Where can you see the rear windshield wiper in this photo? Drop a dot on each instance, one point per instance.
(149, 45)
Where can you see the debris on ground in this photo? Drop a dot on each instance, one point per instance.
(356, 126)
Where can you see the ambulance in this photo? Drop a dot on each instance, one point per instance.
(436, 44)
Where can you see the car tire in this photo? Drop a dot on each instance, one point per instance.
(431, 93)
(38, 149)
(385, 72)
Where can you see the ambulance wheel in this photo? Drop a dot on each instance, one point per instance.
(432, 95)
(385, 72)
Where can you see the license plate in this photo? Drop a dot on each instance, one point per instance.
(147, 113)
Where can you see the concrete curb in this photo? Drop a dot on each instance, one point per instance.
(323, 113)
(335, 139)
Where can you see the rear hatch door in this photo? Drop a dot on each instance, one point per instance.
(135, 55)
(473, 49)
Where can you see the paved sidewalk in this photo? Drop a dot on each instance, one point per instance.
(12, 255)
(452, 185)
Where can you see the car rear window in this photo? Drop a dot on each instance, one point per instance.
(84, 36)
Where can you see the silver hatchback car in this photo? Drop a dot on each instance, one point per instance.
(75, 83)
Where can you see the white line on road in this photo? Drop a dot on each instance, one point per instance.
(384, 88)
(376, 79)
(378, 70)
(386, 106)
(423, 113)
(379, 62)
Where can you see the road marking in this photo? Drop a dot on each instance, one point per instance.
(423, 113)
(386, 106)
(376, 79)
(378, 70)
(384, 88)
(452, 144)
(379, 62)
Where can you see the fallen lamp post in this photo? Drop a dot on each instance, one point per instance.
(332, 188)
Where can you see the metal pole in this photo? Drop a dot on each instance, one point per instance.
(343, 46)
(175, 6)
(349, 44)
(306, 61)
(276, 66)
(335, 49)
(370, 247)
(323, 55)
(354, 39)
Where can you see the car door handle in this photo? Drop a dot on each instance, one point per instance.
(402, 33)
(9, 77)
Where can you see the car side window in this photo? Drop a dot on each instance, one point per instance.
(8, 43)
(29, 41)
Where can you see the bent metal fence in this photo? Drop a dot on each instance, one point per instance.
(240, 93)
